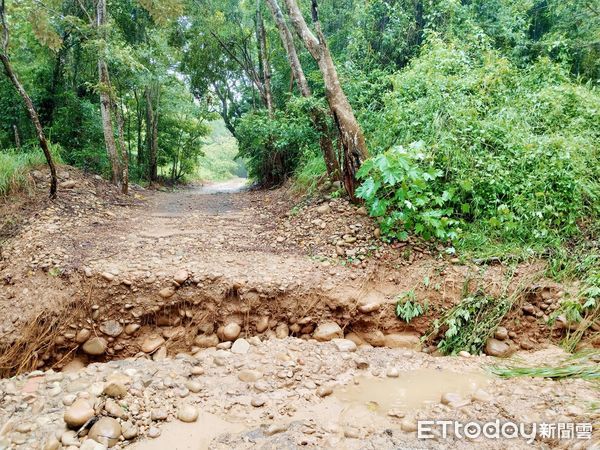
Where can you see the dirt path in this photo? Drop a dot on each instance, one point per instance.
(274, 322)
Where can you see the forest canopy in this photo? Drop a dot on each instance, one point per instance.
(473, 121)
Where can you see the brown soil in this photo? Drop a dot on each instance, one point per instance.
(94, 256)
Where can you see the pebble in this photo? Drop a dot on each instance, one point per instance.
(282, 331)
(344, 345)
(328, 331)
(152, 342)
(115, 390)
(206, 341)
(276, 428)
(193, 386)
(249, 375)
(324, 391)
(494, 347)
(257, 402)
(231, 331)
(91, 444)
(111, 328)
(106, 431)
(187, 413)
(129, 430)
(78, 413)
(454, 400)
(240, 346)
(95, 346)
(159, 414)
(501, 334)
(181, 276)
(153, 432)
(392, 372)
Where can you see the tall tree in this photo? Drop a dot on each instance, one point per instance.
(317, 116)
(33, 115)
(351, 135)
(106, 102)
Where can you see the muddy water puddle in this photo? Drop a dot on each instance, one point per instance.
(190, 436)
(411, 390)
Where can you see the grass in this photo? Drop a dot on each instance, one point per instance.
(309, 174)
(579, 365)
(15, 167)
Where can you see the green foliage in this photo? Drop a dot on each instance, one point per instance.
(405, 196)
(220, 150)
(408, 308)
(504, 150)
(580, 365)
(273, 146)
(15, 166)
(311, 170)
(468, 325)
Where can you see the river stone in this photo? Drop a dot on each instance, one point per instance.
(129, 430)
(501, 334)
(91, 444)
(410, 341)
(181, 276)
(111, 328)
(115, 389)
(206, 341)
(152, 342)
(249, 375)
(187, 413)
(78, 413)
(132, 328)
(324, 209)
(167, 292)
(106, 431)
(344, 345)
(494, 347)
(231, 331)
(262, 324)
(83, 335)
(282, 331)
(95, 346)
(51, 443)
(376, 338)
(240, 346)
(113, 409)
(328, 331)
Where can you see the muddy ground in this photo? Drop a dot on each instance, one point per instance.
(155, 281)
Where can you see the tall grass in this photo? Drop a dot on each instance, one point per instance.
(15, 166)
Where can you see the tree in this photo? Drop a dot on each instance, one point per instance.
(351, 135)
(33, 115)
(318, 118)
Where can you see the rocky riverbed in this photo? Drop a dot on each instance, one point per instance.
(281, 393)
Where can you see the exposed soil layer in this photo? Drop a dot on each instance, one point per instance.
(199, 258)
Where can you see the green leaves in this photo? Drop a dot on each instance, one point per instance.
(399, 187)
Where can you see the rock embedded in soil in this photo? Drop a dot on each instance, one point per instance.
(454, 400)
(95, 346)
(328, 331)
(231, 331)
(187, 413)
(206, 341)
(129, 430)
(181, 276)
(132, 328)
(324, 391)
(83, 335)
(167, 292)
(501, 334)
(78, 413)
(152, 342)
(282, 331)
(106, 431)
(262, 324)
(494, 347)
(111, 328)
(410, 341)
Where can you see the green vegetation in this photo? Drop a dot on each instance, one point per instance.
(469, 324)
(15, 167)
(219, 159)
(408, 308)
(580, 365)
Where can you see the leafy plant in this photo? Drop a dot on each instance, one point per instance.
(408, 308)
(468, 325)
(404, 194)
(580, 365)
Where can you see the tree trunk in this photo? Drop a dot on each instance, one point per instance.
(351, 135)
(122, 150)
(265, 67)
(17, 137)
(318, 118)
(33, 115)
(105, 104)
(152, 134)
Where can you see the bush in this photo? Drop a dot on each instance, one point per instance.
(273, 146)
(510, 153)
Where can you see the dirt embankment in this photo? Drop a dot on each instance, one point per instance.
(99, 276)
